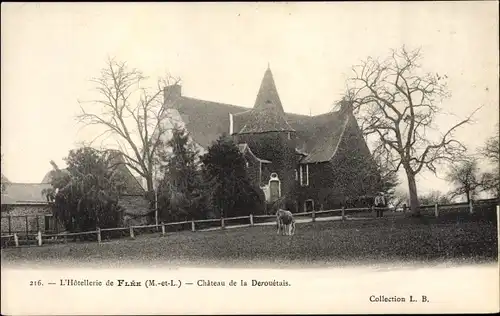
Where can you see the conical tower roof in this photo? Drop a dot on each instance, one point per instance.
(268, 94)
(267, 114)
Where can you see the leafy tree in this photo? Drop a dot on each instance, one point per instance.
(491, 180)
(375, 175)
(86, 196)
(465, 177)
(433, 198)
(397, 102)
(180, 192)
(231, 191)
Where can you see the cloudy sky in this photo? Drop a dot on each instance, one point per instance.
(50, 51)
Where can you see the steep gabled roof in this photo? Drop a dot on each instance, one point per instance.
(327, 137)
(24, 193)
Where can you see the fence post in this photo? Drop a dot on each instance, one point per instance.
(193, 228)
(16, 240)
(132, 232)
(162, 229)
(10, 224)
(39, 238)
(251, 219)
(222, 223)
(471, 207)
(343, 213)
(313, 215)
(98, 235)
(373, 211)
(436, 210)
(37, 223)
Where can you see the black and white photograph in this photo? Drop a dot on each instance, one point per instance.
(250, 158)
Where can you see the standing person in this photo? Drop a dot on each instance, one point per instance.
(380, 202)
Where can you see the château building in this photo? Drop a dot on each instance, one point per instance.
(313, 161)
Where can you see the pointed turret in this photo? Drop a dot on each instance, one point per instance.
(268, 94)
(267, 114)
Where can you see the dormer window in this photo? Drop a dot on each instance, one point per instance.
(289, 136)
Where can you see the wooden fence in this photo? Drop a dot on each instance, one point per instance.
(219, 223)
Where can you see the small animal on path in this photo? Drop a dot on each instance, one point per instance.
(285, 222)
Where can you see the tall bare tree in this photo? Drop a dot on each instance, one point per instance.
(130, 111)
(395, 101)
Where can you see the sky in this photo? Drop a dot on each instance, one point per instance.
(220, 51)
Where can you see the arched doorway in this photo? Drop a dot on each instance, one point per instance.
(274, 187)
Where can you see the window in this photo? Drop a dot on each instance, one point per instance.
(304, 175)
(296, 175)
(289, 137)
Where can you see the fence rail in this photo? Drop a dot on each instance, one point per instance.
(39, 237)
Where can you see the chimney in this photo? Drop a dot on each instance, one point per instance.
(172, 93)
(54, 165)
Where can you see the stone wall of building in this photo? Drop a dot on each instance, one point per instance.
(31, 218)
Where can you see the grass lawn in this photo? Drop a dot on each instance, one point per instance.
(456, 238)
